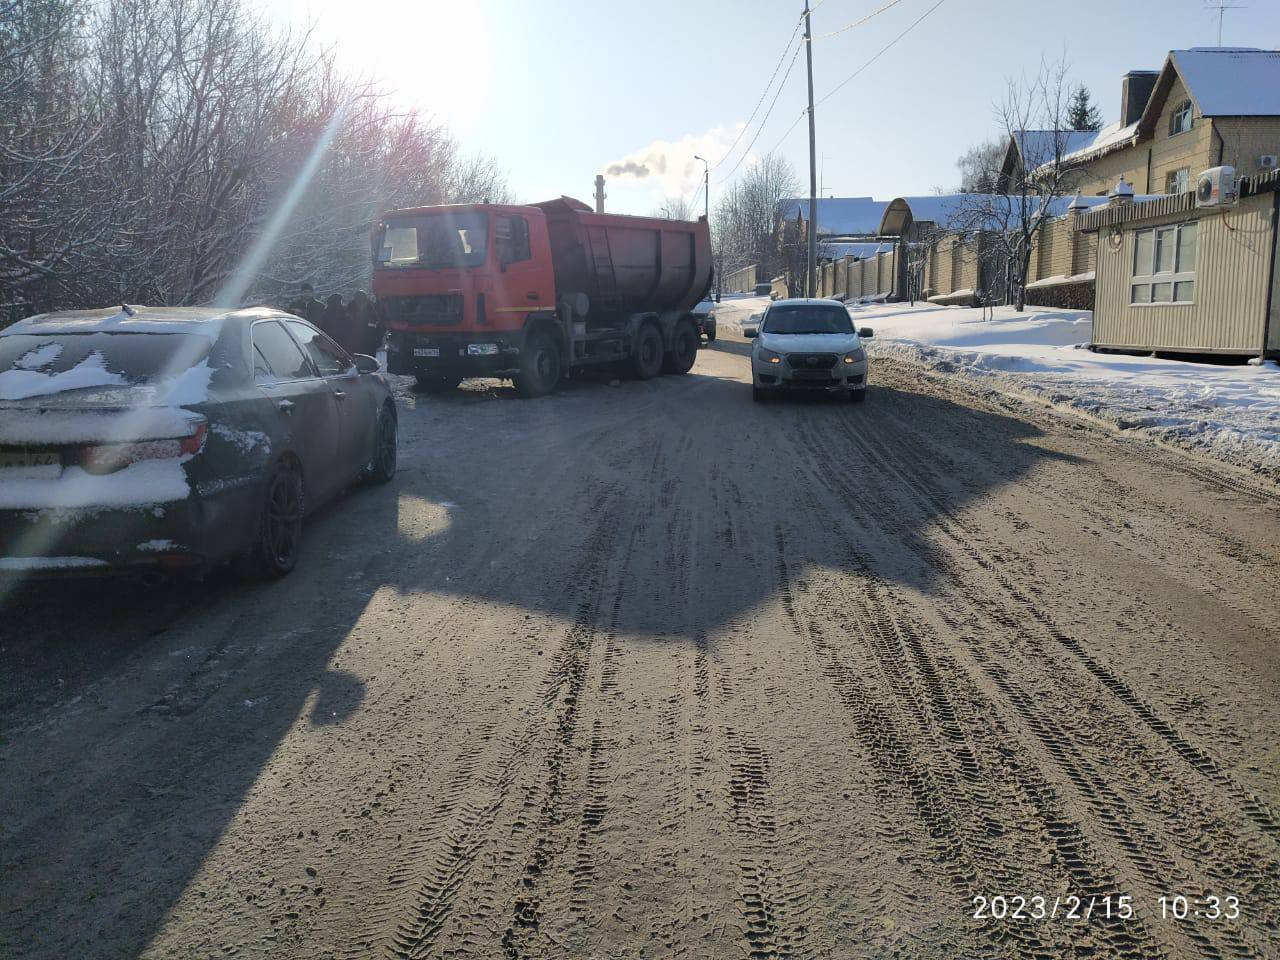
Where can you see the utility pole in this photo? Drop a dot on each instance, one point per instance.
(706, 187)
(809, 286)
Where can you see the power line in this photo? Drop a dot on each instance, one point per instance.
(858, 23)
(693, 201)
(881, 52)
(746, 153)
(776, 68)
(803, 114)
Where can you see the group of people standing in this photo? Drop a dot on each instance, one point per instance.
(357, 325)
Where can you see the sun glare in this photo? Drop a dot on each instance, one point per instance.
(430, 55)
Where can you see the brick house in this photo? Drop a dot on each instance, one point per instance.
(1204, 108)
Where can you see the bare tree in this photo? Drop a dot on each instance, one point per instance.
(744, 223)
(1003, 227)
(143, 163)
(48, 142)
(980, 166)
(676, 208)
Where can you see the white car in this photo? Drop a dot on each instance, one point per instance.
(808, 345)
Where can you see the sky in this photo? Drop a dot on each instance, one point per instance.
(557, 91)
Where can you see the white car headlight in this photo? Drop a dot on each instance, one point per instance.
(768, 356)
(855, 356)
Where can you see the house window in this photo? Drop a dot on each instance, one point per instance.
(1178, 181)
(1164, 264)
(1181, 120)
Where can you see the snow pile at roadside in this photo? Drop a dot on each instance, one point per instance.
(732, 310)
(1231, 413)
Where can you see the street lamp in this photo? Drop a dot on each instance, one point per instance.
(706, 186)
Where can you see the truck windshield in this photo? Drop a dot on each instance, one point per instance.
(437, 240)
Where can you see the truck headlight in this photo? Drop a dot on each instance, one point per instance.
(768, 356)
(481, 349)
(855, 356)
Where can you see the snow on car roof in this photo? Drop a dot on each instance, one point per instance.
(206, 321)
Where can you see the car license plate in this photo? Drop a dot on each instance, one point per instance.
(33, 464)
(812, 374)
(426, 351)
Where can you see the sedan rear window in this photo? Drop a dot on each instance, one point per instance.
(807, 318)
(101, 357)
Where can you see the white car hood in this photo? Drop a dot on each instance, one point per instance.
(809, 342)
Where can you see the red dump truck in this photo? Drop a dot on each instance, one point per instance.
(533, 293)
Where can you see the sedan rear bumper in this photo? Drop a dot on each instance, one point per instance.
(211, 525)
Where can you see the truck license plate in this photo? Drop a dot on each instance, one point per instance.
(426, 351)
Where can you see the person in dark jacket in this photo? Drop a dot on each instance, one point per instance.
(366, 322)
(308, 307)
(342, 325)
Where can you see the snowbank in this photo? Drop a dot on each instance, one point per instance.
(732, 311)
(1231, 413)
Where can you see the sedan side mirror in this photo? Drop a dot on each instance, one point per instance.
(866, 333)
(751, 334)
(366, 363)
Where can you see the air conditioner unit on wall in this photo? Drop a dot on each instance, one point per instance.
(1216, 187)
(1268, 161)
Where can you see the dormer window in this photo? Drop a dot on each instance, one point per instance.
(1180, 121)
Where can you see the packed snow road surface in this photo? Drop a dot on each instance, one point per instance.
(644, 669)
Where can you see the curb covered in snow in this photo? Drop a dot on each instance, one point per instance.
(1176, 425)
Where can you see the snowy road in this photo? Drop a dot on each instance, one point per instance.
(648, 670)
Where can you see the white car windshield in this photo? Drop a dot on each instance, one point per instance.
(803, 318)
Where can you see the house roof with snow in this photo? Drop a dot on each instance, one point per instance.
(1040, 146)
(838, 216)
(1221, 82)
(858, 249)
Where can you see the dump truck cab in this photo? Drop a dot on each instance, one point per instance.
(531, 292)
(460, 282)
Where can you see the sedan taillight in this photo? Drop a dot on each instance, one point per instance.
(110, 457)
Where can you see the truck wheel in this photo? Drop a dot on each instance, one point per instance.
(646, 361)
(539, 366)
(684, 350)
(437, 384)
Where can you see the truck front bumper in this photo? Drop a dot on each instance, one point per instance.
(475, 354)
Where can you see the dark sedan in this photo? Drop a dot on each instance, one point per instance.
(162, 439)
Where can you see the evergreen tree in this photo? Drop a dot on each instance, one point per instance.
(1082, 114)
